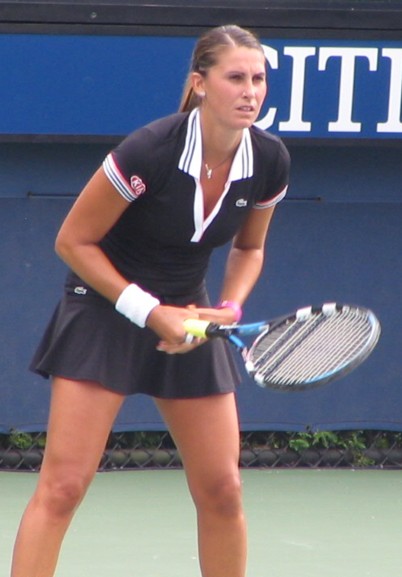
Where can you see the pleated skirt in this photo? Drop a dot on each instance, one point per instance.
(87, 339)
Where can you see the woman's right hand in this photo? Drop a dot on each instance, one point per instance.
(167, 322)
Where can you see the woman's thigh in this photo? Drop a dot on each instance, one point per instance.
(80, 419)
(206, 432)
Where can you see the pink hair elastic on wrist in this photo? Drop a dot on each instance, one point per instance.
(236, 308)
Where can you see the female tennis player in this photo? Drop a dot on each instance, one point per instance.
(137, 242)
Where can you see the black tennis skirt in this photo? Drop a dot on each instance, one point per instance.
(87, 339)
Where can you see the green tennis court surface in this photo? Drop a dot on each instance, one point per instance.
(302, 523)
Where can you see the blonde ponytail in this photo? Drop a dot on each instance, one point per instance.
(189, 99)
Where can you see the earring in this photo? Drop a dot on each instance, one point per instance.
(201, 94)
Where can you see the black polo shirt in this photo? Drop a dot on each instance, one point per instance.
(162, 240)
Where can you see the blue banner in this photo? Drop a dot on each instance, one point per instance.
(332, 89)
(108, 85)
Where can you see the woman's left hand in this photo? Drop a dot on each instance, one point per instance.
(224, 316)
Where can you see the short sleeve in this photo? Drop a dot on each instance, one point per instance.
(127, 166)
(276, 175)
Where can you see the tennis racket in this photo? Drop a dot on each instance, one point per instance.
(306, 349)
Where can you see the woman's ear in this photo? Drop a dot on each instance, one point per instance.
(197, 82)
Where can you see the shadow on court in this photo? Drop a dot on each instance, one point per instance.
(304, 523)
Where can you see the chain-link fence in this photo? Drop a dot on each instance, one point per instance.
(21, 451)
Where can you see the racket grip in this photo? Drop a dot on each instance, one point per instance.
(196, 327)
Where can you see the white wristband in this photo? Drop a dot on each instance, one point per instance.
(136, 304)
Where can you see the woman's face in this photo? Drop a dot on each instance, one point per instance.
(234, 88)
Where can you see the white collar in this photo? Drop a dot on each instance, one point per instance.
(191, 157)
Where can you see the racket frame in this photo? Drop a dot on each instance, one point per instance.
(302, 315)
(234, 333)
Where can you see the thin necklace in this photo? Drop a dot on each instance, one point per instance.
(210, 170)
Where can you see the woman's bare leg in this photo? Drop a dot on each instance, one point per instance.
(206, 434)
(81, 416)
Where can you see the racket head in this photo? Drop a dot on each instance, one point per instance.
(312, 347)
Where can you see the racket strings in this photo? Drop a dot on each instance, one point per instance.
(302, 350)
(280, 341)
(331, 346)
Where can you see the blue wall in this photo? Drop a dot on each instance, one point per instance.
(106, 85)
(346, 247)
(336, 237)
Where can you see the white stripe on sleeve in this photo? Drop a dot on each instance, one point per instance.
(113, 173)
(272, 201)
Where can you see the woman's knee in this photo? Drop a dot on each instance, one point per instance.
(222, 496)
(61, 495)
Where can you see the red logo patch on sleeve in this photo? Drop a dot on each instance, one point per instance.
(137, 185)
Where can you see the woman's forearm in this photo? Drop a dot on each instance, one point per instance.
(243, 269)
(91, 264)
